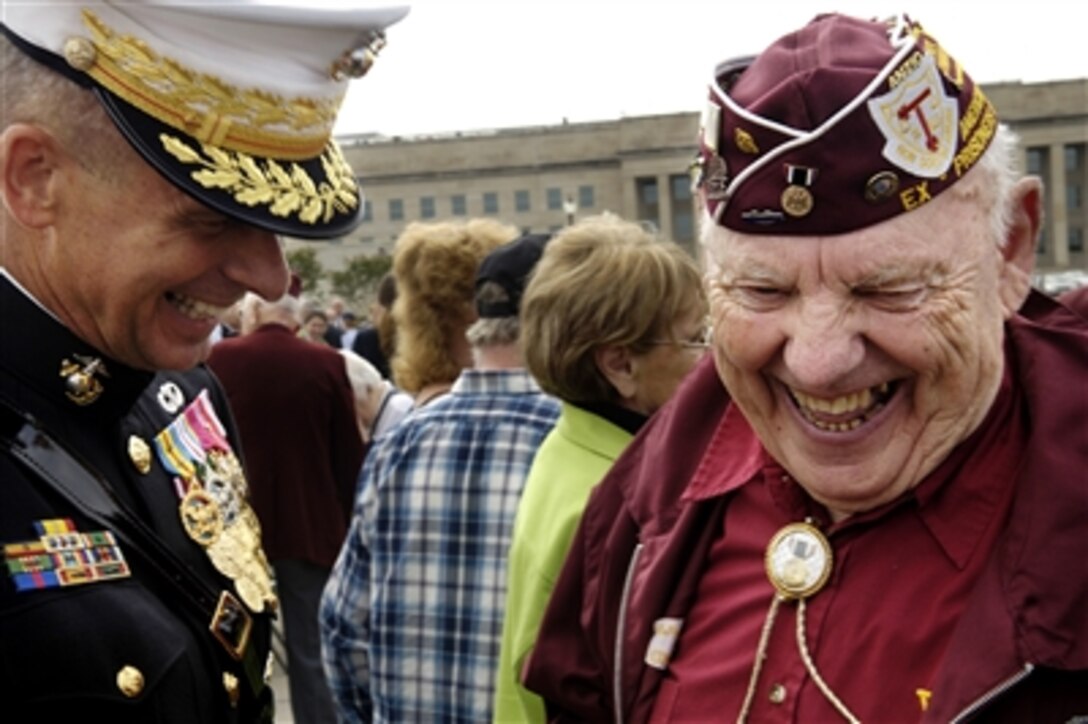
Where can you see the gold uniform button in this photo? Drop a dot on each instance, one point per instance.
(778, 694)
(130, 681)
(230, 684)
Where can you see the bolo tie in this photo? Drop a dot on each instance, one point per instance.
(798, 564)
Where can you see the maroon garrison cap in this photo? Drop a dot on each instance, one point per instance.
(840, 125)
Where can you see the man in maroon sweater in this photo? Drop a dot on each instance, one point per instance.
(870, 502)
(295, 411)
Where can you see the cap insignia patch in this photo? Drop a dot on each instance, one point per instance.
(918, 121)
(287, 191)
(745, 142)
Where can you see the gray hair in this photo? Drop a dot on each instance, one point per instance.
(36, 95)
(493, 331)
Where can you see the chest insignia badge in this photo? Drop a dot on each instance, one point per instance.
(139, 452)
(81, 378)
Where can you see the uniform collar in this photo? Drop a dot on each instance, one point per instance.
(35, 347)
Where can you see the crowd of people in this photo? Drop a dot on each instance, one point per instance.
(830, 470)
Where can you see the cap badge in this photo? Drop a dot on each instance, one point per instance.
(918, 121)
(797, 200)
(81, 383)
(355, 63)
(745, 142)
(287, 190)
(881, 186)
(716, 177)
(62, 556)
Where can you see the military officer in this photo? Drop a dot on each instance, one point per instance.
(150, 154)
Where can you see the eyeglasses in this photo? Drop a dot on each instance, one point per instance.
(700, 344)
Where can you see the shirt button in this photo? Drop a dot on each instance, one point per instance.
(778, 694)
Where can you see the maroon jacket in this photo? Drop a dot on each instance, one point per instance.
(295, 411)
(1020, 652)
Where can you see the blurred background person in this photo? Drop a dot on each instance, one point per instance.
(612, 321)
(375, 341)
(435, 269)
(296, 417)
(379, 405)
(412, 613)
(314, 326)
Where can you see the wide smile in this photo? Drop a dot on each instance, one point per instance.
(846, 412)
(194, 308)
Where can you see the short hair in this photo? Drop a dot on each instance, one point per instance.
(603, 281)
(36, 95)
(435, 268)
(493, 331)
(387, 290)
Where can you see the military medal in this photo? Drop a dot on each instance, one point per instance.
(797, 200)
(201, 516)
(214, 509)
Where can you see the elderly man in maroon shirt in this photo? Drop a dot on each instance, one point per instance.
(870, 503)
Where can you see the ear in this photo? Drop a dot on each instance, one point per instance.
(1018, 254)
(30, 159)
(617, 365)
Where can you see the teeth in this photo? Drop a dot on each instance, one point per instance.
(839, 405)
(863, 404)
(196, 309)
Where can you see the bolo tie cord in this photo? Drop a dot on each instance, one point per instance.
(810, 665)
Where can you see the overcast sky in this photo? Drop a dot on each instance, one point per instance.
(453, 65)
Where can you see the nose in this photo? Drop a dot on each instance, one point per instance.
(257, 263)
(825, 344)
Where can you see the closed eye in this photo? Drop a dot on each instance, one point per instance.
(893, 299)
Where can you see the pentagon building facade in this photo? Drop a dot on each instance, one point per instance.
(542, 178)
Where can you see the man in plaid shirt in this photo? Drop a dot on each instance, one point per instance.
(412, 613)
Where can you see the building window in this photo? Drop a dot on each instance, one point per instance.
(683, 215)
(1072, 196)
(368, 210)
(585, 197)
(458, 205)
(646, 193)
(1038, 162)
(426, 207)
(555, 199)
(1074, 157)
(396, 210)
(521, 200)
(1076, 239)
(491, 202)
